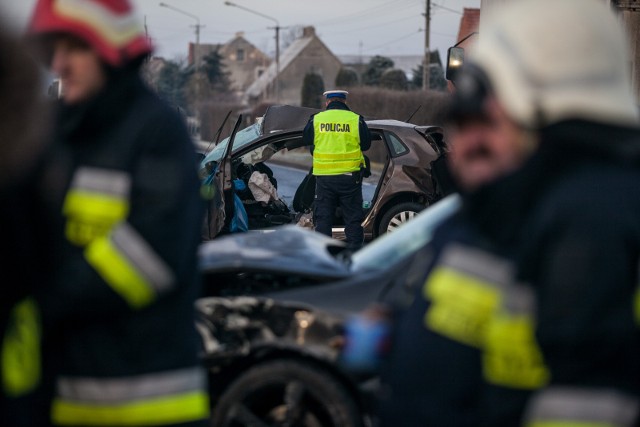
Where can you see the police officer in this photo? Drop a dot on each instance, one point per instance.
(339, 136)
(120, 342)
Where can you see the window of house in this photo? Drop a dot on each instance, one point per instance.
(240, 55)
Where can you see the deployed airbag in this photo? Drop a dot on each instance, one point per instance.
(262, 188)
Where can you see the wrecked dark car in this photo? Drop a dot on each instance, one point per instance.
(273, 323)
(236, 174)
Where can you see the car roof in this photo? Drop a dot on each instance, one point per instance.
(286, 118)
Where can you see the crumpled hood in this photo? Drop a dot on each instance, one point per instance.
(290, 250)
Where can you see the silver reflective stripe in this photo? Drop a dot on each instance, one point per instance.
(583, 405)
(519, 299)
(479, 263)
(107, 181)
(128, 389)
(142, 256)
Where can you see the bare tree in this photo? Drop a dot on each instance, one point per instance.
(294, 33)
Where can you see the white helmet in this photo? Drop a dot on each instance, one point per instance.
(552, 60)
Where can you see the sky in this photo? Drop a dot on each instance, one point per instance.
(347, 27)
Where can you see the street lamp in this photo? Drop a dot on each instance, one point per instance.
(277, 28)
(196, 53)
(196, 57)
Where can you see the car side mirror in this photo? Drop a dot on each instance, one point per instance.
(455, 60)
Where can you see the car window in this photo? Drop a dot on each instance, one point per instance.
(243, 138)
(396, 146)
(392, 247)
(259, 154)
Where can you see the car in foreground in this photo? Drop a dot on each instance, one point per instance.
(273, 321)
(403, 182)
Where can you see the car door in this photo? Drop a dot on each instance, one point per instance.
(218, 186)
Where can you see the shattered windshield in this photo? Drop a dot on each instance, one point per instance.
(243, 138)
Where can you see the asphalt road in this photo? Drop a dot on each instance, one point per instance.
(290, 177)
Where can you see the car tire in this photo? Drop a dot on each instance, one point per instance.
(398, 215)
(286, 393)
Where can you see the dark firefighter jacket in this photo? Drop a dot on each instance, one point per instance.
(572, 218)
(560, 340)
(24, 250)
(433, 372)
(580, 252)
(26, 264)
(119, 330)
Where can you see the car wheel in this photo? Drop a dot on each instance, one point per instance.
(286, 393)
(398, 215)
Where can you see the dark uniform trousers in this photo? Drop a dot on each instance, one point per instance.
(345, 191)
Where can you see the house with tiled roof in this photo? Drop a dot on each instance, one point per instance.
(242, 60)
(307, 54)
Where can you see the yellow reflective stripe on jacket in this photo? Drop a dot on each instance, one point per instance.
(552, 423)
(461, 305)
(353, 165)
(353, 155)
(464, 290)
(581, 407)
(336, 142)
(179, 408)
(511, 357)
(98, 205)
(91, 215)
(21, 350)
(97, 199)
(129, 265)
(151, 399)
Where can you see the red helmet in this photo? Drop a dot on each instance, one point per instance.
(111, 27)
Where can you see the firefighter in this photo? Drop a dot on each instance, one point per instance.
(339, 136)
(120, 346)
(432, 373)
(561, 69)
(529, 313)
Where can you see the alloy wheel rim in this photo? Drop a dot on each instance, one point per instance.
(399, 219)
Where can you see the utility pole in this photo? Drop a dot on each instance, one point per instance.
(277, 28)
(197, 48)
(629, 13)
(196, 53)
(427, 50)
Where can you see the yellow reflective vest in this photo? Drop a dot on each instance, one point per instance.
(336, 143)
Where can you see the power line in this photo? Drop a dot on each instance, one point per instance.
(353, 30)
(446, 8)
(375, 10)
(394, 41)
